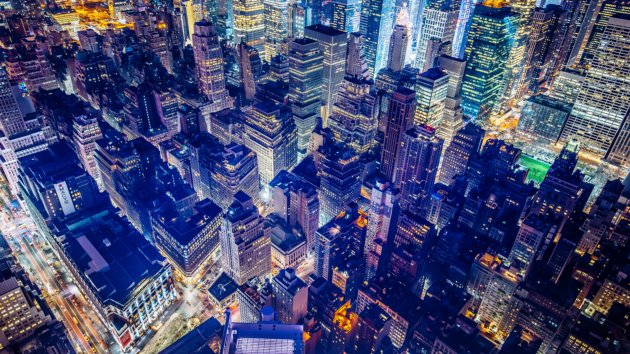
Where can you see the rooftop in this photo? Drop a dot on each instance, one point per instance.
(222, 288)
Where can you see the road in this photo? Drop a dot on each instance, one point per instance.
(87, 333)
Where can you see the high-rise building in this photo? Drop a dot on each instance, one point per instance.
(333, 45)
(290, 296)
(346, 15)
(490, 40)
(245, 244)
(400, 111)
(354, 118)
(374, 325)
(249, 23)
(306, 65)
(296, 201)
(566, 87)
(271, 133)
(530, 237)
(496, 300)
(608, 9)
(602, 105)
(465, 144)
(377, 21)
(11, 120)
(86, 132)
(464, 20)
(209, 70)
(234, 169)
(549, 27)
(383, 212)
(418, 165)
(188, 241)
(543, 117)
(340, 181)
(276, 27)
(452, 120)
(431, 90)
(439, 20)
(399, 42)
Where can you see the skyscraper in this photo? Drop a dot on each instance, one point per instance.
(439, 20)
(290, 296)
(383, 213)
(249, 23)
(245, 243)
(400, 111)
(487, 53)
(86, 132)
(465, 144)
(464, 19)
(452, 120)
(346, 15)
(355, 112)
(276, 28)
(333, 44)
(305, 87)
(398, 45)
(11, 120)
(271, 133)
(602, 105)
(340, 181)
(209, 66)
(377, 21)
(418, 166)
(431, 90)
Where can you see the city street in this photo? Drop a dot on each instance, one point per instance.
(86, 332)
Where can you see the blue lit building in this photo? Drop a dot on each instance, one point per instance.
(377, 21)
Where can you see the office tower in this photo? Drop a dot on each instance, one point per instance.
(271, 133)
(246, 59)
(141, 111)
(88, 39)
(604, 100)
(288, 245)
(496, 300)
(564, 190)
(401, 108)
(234, 169)
(86, 132)
(251, 297)
(306, 74)
(487, 53)
(338, 242)
(524, 9)
(543, 117)
(530, 237)
(549, 27)
(290, 296)
(267, 336)
(11, 120)
(297, 201)
(584, 15)
(209, 66)
(609, 9)
(399, 42)
(464, 20)
(188, 241)
(333, 45)
(346, 15)
(452, 120)
(340, 182)
(373, 326)
(377, 21)
(30, 66)
(297, 13)
(382, 213)
(412, 230)
(249, 23)
(439, 19)
(431, 90)
(279, 67)
(245, 243)
(566, 87)
(479, 276)
(354, 118)
(276, 28)
(465, 144)
(418, 166)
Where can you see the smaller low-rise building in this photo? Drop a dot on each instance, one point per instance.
(288, 246)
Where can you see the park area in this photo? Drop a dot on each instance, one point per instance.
(537, 169)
